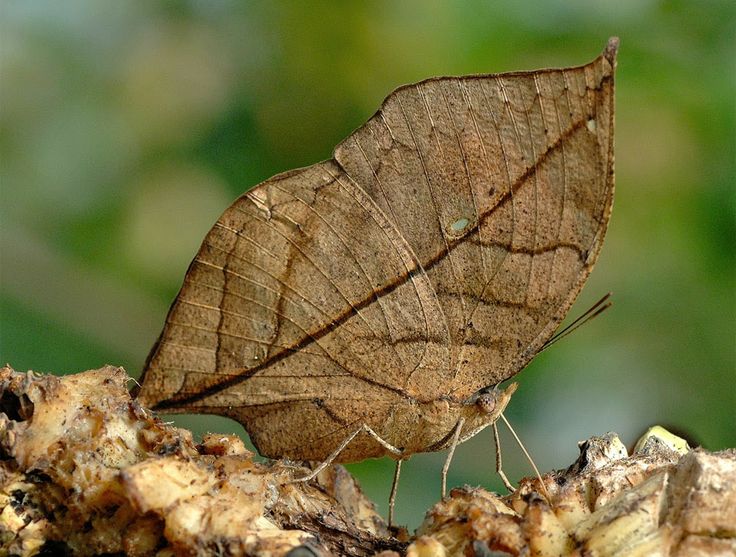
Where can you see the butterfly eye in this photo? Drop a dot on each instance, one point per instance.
(486, 402)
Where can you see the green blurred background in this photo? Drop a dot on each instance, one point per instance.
(126, 128)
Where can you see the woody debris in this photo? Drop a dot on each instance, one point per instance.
(86, 470)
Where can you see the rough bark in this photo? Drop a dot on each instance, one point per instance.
(86, 470)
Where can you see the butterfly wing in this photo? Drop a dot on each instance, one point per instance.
(433, 256)
(502, 186)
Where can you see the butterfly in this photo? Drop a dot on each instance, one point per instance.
(369, 304)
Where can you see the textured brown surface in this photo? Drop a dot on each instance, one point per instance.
(656, 502)
(430, 258)
(85, 469)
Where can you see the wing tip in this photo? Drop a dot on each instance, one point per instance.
(611, 50)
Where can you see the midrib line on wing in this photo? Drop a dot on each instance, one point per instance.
(356, 260)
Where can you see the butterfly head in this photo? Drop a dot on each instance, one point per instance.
(493, 401)
(482, 409)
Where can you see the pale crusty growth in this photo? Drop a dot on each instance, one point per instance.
(86, 470)
(607, 504)
(430, 258)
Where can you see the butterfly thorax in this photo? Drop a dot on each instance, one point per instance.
(431, 426)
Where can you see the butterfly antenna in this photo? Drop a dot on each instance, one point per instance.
(594, 311)
(529, 458)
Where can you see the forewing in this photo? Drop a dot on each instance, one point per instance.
(502, 185)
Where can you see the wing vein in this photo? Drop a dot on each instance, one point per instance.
(363, 271)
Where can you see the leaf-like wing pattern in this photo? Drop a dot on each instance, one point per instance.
(433, 256)
(502, 185)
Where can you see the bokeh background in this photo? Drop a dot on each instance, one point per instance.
(126, 128)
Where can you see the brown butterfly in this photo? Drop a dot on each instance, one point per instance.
(366, 305)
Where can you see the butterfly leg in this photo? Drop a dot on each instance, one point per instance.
(451, 453)
(330, 459)
(394, 488)
(499, 464)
